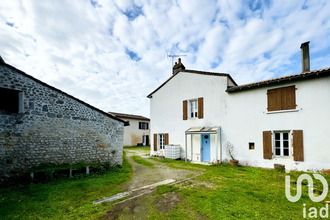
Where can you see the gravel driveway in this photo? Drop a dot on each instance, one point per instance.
(135, 204)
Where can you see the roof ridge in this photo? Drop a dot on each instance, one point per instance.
(117, 114)
(192, 71)
(307, 74)
(60, 91)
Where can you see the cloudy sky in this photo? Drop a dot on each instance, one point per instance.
(112, 54)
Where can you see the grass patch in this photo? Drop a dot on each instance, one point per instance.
(166, 188)
(143, 149)
(67, 199)
(229, 192)
(141, 161)
(179, 164)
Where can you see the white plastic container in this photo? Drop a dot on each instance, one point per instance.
(172, 151)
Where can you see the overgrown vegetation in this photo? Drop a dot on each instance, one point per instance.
(63, 198)
(141, 161)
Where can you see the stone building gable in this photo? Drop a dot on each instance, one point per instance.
(53, 127)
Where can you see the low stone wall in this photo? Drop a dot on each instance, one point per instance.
(53, 127)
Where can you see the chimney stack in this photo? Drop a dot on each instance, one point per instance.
(305, 56)
(178, 66)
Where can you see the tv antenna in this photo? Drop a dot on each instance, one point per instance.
(175, 55)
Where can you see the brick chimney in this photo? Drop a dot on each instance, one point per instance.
(305, 56)
(178, 66)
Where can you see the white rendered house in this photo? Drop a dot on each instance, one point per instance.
(278, 121)
(136, 132)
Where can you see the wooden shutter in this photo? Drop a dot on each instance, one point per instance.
(274, 99)
(288, 98)
(155, 142)
(298, 146)
(281, 98)
(200, 108)
(185, 110)
(267, 142)
(166, 139)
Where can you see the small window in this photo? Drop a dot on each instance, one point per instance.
(193, 108)
(281, 144)
(143, 125)
(251, 146)
(9, 101)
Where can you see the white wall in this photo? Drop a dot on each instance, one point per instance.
(243, 117)
(248, 114)
(132, 133)
(166, 111)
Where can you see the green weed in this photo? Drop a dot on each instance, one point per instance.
(141, 161)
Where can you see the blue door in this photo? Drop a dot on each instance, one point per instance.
(206, 147)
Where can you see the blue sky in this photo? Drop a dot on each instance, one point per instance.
(112, 54)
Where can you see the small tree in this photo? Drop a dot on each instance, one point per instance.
(230, 150)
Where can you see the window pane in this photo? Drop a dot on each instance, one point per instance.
(278, 151)
(277, 136)
(285, 136)
(192, 114)
(277, 144)
(286, 152)
(286, 144)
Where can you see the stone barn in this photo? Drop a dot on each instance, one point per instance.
(41, 124)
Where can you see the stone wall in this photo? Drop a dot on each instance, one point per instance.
(53, 127)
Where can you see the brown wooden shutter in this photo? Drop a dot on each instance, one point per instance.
(274, 100)
(298, 146)
(155, 142)
(288, 98)
(200, 108)
(166, 139)
(267, 142)
(185, 110)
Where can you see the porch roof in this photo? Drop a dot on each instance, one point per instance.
(203, 130)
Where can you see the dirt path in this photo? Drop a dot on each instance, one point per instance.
(142, 176)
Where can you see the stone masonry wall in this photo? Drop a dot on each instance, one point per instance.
(53, 127)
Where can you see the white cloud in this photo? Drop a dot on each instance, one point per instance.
(84, 48)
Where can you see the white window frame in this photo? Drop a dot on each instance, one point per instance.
(161, 141)
(281, 140)
(143, 125)
(193, 108)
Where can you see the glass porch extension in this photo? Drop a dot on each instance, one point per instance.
(199, 131)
